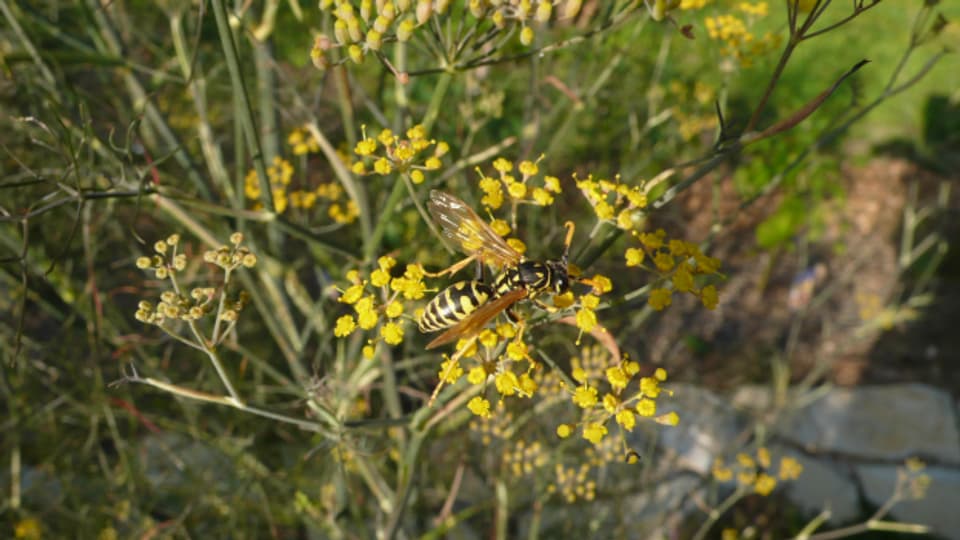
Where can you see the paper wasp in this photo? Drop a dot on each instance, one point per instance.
(464, 308)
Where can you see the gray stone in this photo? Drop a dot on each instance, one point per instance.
(708, 427)
(888, 422)
(940, 508)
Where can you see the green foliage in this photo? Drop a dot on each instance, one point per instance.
(214, 225)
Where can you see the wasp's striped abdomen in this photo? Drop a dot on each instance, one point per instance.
(454, 304)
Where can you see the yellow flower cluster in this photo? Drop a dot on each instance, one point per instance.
(755, 471)
(617, 403)
(615, 203)
(738, 41)
(912, 477)
(524, 459)
(302, 142)
(573, 483)
(368, 313)
(519, 190)
(677, 260)
(401, 155)
(177, 303)
(363, 28)
(492, 426)
(691, 123)
(280, 175)
(501, 357)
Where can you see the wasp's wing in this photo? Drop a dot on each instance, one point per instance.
(467, 231)
(470, 326)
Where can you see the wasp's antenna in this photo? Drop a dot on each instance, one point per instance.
(571, 227)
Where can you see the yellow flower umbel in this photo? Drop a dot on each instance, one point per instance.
(624, 402)
(733, 31)
(306, 201)
(179, 304)
(371, 311)
(363, 31)
(677, 265)
(388, 153)
(756, 472)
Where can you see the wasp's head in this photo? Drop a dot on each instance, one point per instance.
(560, 278)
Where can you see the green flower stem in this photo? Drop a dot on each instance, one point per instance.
(373, 242)
(423, 212)
(436, 100)
(502, 509)
(229, 402)
(202, 341)
(718, 512)
(142, 99)
(405, 482)
(354, 189)
(245, 110)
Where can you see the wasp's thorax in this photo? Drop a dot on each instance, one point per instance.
(535, 276)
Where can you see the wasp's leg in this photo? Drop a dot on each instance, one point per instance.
(544, 306)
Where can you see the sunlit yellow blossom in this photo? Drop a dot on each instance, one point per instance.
(503, 165)
(634, 256)
(379, 277)
(610, 403)
(790, 468)
(450, 371)
(517, 245)
(653, 240)
(528, 385)
(563, 301)
(517, 350)
(345, 326)
(594, 432)
(664, 261)
(585, 396)
(542, 197)
(477, 375)
(763, 457)
(366, 147)
(617, 377)
(586, 320)
(669, 419)
(500, 227)
(564, 431)
(646, 407)
(517, 190)
(626, 419)
(709, 297)
(579, 375)
(392, 333)
(721, 472)
(551, 183)
(507, 383)
(650, 387)
(764, 484)
(368, 351)
(479, 406)
(660, 299)
(601, 285)
(682, 280)
(746, 460)
(394, 309)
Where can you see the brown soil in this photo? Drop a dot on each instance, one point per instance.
(828, 322)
